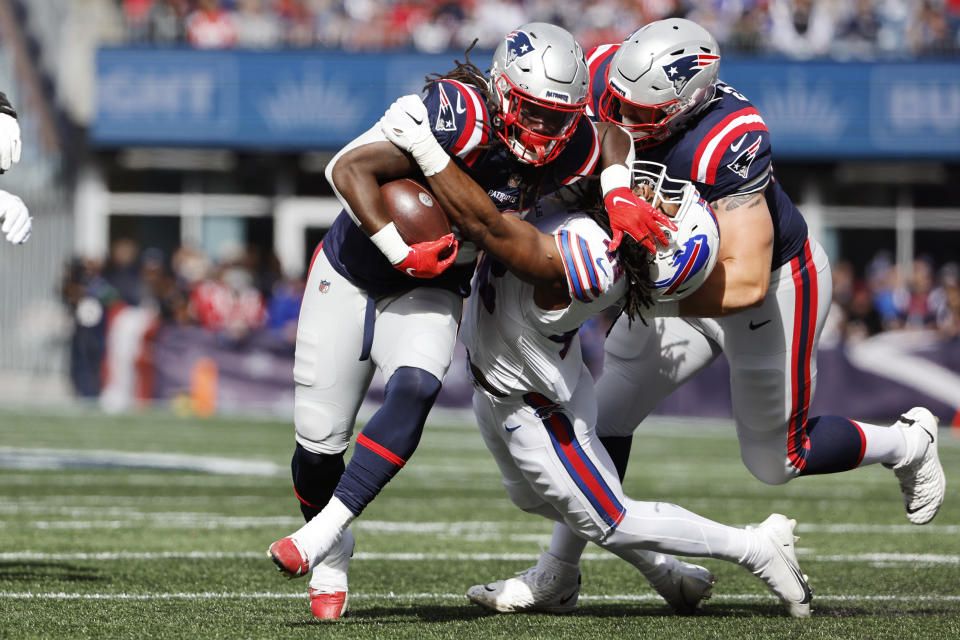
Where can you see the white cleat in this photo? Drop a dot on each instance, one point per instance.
(685, 587)
(782, 571)
(921, 478)
(329, 594)
(552, 586)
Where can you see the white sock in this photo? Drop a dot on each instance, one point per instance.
(566, 545)
(883, 444)
(318, 536)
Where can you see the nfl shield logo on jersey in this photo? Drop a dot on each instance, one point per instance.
(324, 286)
(681, 70)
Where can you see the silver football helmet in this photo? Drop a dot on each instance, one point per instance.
(678, 269)
(662, 75)
(540, 77)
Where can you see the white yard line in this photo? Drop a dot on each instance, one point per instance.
(626, 597)
(38, 459)
(473, 529)
(31, 556)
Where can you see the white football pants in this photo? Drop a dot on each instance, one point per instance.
(771, 349)
(416, 328)
(553, 465)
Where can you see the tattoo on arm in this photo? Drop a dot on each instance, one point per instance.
(736, 201)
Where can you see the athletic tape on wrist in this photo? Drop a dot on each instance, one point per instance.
(390, 243)
(614, 177)
(431, 157)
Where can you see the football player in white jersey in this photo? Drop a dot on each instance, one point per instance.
(763, 306)
(15, 221)
(374, 303)
(540, 279)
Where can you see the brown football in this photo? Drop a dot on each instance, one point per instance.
(414, 211)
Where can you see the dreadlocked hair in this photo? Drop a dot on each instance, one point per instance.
(532, 178)
(633, 259)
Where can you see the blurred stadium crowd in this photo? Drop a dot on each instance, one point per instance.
(243, 296)
(843, 29)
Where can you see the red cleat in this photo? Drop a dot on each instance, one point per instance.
(328, 606)
(291, 561)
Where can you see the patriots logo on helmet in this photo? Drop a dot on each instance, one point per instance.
(691, 258)
(682, 70)
(741, 165)
(518, 45)
(445, 118)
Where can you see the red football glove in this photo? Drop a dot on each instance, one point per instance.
(429, 259)
(637, 218)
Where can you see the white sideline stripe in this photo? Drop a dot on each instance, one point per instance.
(912, 558)
(40, 459)
(625, 597)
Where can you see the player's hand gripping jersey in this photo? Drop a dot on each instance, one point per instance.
(461, 124)
(724, 150)
(520, 347)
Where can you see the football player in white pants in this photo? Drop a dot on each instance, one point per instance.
(373, 302)
(15, 221)
(763, 306)
(539, 281)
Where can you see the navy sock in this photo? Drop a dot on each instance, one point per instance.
(315, 476)
(389, 438)
(619, 449)
(832, 444)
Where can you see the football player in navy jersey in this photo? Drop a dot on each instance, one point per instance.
(373, 302)
(763, 305)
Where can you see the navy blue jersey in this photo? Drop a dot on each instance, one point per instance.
(461, 123)
(724, 150)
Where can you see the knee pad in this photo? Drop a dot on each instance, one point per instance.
(412, 385)
(770, 469)
(321, 426)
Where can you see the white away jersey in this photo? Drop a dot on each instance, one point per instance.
(517, 345)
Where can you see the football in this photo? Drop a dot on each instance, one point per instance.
(414, 211)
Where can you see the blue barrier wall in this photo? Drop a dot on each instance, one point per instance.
(298, 100)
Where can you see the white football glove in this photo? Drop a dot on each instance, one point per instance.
(17, 223)
(406, 124)
(9, 141)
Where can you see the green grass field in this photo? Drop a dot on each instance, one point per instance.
(155, 526)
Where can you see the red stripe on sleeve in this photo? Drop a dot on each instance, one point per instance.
(383, 452)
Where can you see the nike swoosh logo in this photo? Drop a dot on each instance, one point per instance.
(512, 428)
(736, 145)
(417, 120)
(411, 271)
(623, 200)
(600, 264)
(923, 506)
(460, 108)
(756, 325)
(572, 595)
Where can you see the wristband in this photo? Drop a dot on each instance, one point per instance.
(664, 309)
(390, 243)
(431, 157)
(614, 177)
